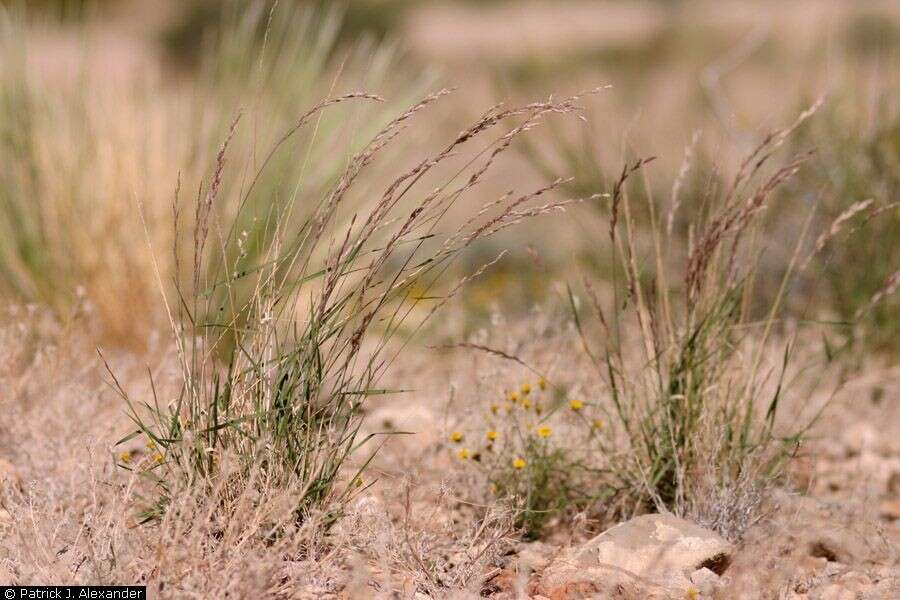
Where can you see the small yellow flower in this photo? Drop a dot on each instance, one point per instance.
(463, 453)
(526, 389)
(492, 435)
(576, 405)
(598, 424)
(158, 458)
(358, 482)
(125, 457)
(151, 444)
(495, 408)
(544, 431)
(513, 396)
(456, 437)
(519, 463)
(542, 383)
(692, 593)
(538, 408)
(526, 403)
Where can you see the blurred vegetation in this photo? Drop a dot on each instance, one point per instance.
(220, 46)
(871, 33)
(373, 20)
(857, 159)
(92, 162)
(62, 11)
(855, 136)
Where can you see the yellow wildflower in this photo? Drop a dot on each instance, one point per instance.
(544, 431)
(576, 405)
(542, 383)
(158, 458)
(526, 388)
(358, 482)
(526, 403)
(456, 437)
(599, 424)
(495, 408)
(538, 408)
(492, 435)
(151, 444)
(513, 396)
(125, 457)
(463, 453)
(692, 593)
(519, 463)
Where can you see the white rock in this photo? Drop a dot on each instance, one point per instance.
(662, 550)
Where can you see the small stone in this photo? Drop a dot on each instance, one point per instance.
(705, 580)
(889, 510)
(855, 581)
(534, 556)
(833, 569)
(893, 484)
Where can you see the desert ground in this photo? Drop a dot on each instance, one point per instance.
(454, 299)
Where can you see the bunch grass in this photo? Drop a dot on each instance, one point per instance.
(273, 387)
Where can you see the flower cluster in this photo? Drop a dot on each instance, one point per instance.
(529, 445)
(129, 459)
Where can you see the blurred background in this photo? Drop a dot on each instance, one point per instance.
(106, 105)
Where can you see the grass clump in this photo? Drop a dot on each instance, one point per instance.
(685, 359)
(276, 360)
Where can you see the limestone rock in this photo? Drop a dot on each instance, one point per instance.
(656, 551)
